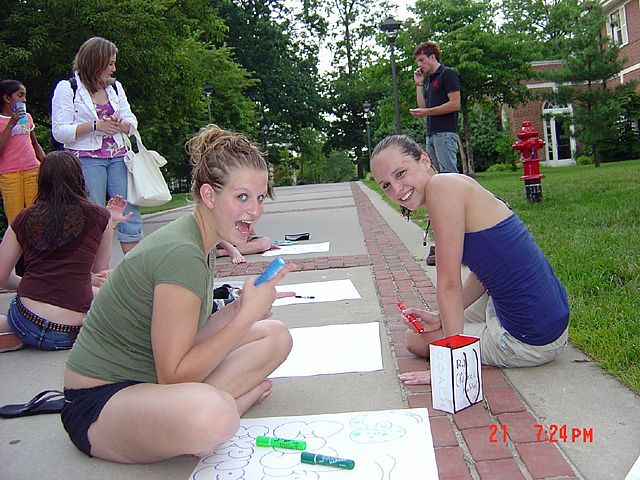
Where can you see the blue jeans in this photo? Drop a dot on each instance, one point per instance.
(443, 148)
(35, 335)
(109, 176)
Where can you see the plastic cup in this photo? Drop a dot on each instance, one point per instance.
(22, 112)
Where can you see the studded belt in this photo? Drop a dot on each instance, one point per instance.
(72, 330)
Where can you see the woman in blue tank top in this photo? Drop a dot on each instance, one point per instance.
(511, 299)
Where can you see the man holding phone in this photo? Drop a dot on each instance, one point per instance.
(439, 101)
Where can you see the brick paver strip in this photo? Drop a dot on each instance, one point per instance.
(397, 275)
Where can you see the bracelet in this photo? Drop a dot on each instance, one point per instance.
(419, 84)
(94, 125)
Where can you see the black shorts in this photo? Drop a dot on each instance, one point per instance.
(83, 407)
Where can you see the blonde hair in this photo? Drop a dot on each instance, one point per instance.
(215, 153)
(92, 58)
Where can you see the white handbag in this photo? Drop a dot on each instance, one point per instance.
(146, 185)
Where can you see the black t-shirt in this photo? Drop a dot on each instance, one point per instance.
(441, 82)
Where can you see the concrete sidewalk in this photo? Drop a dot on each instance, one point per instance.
(383, 256)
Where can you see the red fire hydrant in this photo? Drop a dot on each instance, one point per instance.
(528, 145)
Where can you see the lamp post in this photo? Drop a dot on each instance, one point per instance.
(366, 107)
(390, 28)
(208, 90)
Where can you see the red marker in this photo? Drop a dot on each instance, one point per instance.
(411, 318)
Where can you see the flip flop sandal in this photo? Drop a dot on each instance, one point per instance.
(48, 401)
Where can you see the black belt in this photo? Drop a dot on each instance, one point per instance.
(72, 330)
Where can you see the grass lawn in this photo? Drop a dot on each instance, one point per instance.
(177, 200)
(588, 225)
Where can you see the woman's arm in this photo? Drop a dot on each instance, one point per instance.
(446, 205)
(116, 206)
(6, 132)
(10, 252)
(36, 146)
(181, 353)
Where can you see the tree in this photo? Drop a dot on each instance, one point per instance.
(353, 32)
(164, 58)
(589, 61)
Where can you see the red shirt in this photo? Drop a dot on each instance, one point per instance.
(60, 275)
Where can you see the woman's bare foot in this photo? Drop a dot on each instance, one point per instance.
(254, 396)
(416, 378)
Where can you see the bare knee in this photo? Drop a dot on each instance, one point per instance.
(279, 337)
(213, 419)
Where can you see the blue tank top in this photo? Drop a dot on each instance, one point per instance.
(530, 301)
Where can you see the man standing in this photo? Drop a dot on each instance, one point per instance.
(439, 101)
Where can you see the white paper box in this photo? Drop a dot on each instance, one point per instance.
(456, 373)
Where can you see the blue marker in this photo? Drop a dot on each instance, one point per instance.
(277, 265)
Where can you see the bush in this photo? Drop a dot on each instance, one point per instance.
(502, 167)
(584, 160)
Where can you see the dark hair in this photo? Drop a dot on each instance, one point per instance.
(9, 87)
(58, 212)
(428, 49)
(215, 153)
(92, 58)
(406, 144)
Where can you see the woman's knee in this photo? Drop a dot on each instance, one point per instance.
(278, 336)
(213, 419)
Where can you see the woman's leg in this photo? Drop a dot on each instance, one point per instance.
(243, 372)
(94, 171)
(12, 195)
(30, 186)
(129, 232)
(147, 423)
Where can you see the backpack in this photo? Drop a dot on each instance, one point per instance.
(56, 145)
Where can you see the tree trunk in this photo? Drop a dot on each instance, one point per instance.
(467, 160)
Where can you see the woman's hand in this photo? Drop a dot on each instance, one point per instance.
(430, 320)
(256, 302)
(99, 279)
(108, 125)
(116, 206)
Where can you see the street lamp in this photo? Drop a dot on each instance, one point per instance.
(390, 28)
(208, 90)
(366, 107)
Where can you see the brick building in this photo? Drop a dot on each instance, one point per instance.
(623, 27)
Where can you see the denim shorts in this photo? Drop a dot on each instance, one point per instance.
(43, 337)
(83, 407)
(108, 176)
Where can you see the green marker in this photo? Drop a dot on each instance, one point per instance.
(281, 443)
(317, 459)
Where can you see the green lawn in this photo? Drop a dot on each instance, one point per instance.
(177, 200)
(589, 228)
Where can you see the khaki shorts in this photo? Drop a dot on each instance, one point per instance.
(498, 347)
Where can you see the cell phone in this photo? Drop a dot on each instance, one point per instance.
(271, 271)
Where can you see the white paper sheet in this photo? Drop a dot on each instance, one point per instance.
(329, 291)
(385, 445)
(298, 249)
(332, 349)
(634, 474)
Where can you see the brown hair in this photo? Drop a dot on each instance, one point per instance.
(428, 49)
(92, 58)
(407, 145)
(215, 153)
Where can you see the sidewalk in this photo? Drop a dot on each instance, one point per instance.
(383, 256)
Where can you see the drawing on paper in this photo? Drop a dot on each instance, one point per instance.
(385, 445)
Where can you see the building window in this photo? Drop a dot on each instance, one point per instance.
(618, 27)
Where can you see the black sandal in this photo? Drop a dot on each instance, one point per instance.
(48, 401)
